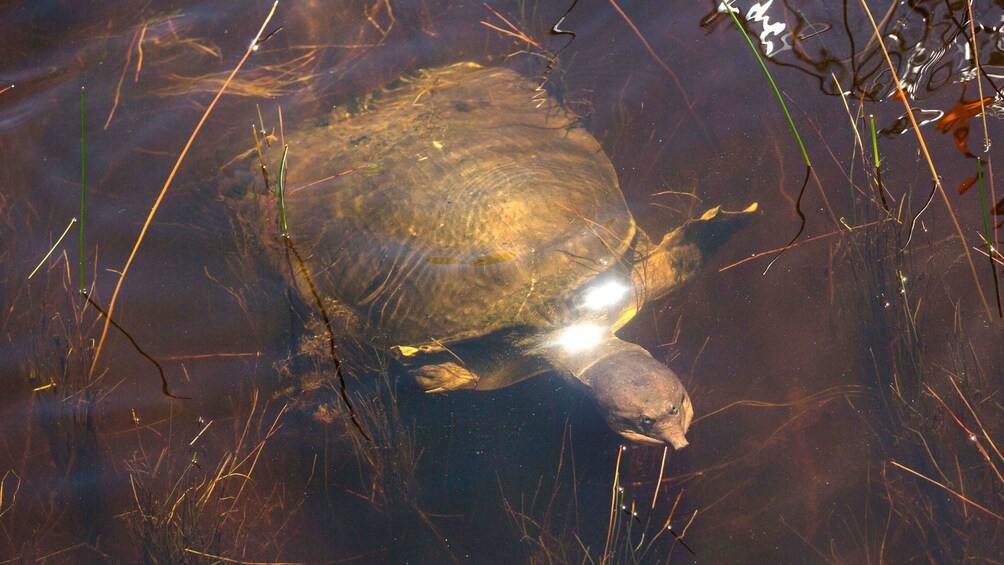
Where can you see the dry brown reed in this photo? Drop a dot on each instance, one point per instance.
(188, 505)
(265, 81)
(167, 184)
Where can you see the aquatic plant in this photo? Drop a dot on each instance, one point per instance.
(936, 488)
(791, 124)
(902, 96)
(921, 459)
(55, 332)
(379, 469)
(551, 532)
(190, 506)
(282, 193)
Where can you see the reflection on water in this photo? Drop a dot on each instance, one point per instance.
(929, 43)
(846, 405)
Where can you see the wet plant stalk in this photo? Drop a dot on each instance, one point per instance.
(878, 164)
(261, 123)
(791, 123)
(773, 85)
(986, 234)
(53, 248)
(614, 502)
(261, 159)
(282, 192)
(83, 177)
(83, 206)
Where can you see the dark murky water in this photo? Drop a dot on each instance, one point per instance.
(825, 390)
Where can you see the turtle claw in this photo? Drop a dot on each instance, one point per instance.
(445, 377)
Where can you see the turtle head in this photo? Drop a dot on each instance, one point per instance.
(640, 398)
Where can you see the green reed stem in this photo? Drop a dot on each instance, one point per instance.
(878, 164)
(773, 85)
(791, 123)
(261, 121)
(871, 120)
(282, 192)
(83, 178)
(986, 234)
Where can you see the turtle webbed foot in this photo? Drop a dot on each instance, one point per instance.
(444, 377)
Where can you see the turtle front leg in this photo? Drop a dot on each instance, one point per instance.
(443, 377)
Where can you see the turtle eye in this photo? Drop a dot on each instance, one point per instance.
(673, 410)
(647, 422)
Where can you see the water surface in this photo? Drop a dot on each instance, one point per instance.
(823, 388)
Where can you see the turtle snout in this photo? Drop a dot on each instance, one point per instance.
(679, 423)
(673, 434)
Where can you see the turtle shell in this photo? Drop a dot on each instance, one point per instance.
(455, 203)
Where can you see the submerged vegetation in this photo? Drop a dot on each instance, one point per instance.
(934, 474)
(191, 505)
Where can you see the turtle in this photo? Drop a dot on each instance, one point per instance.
(477, 233)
